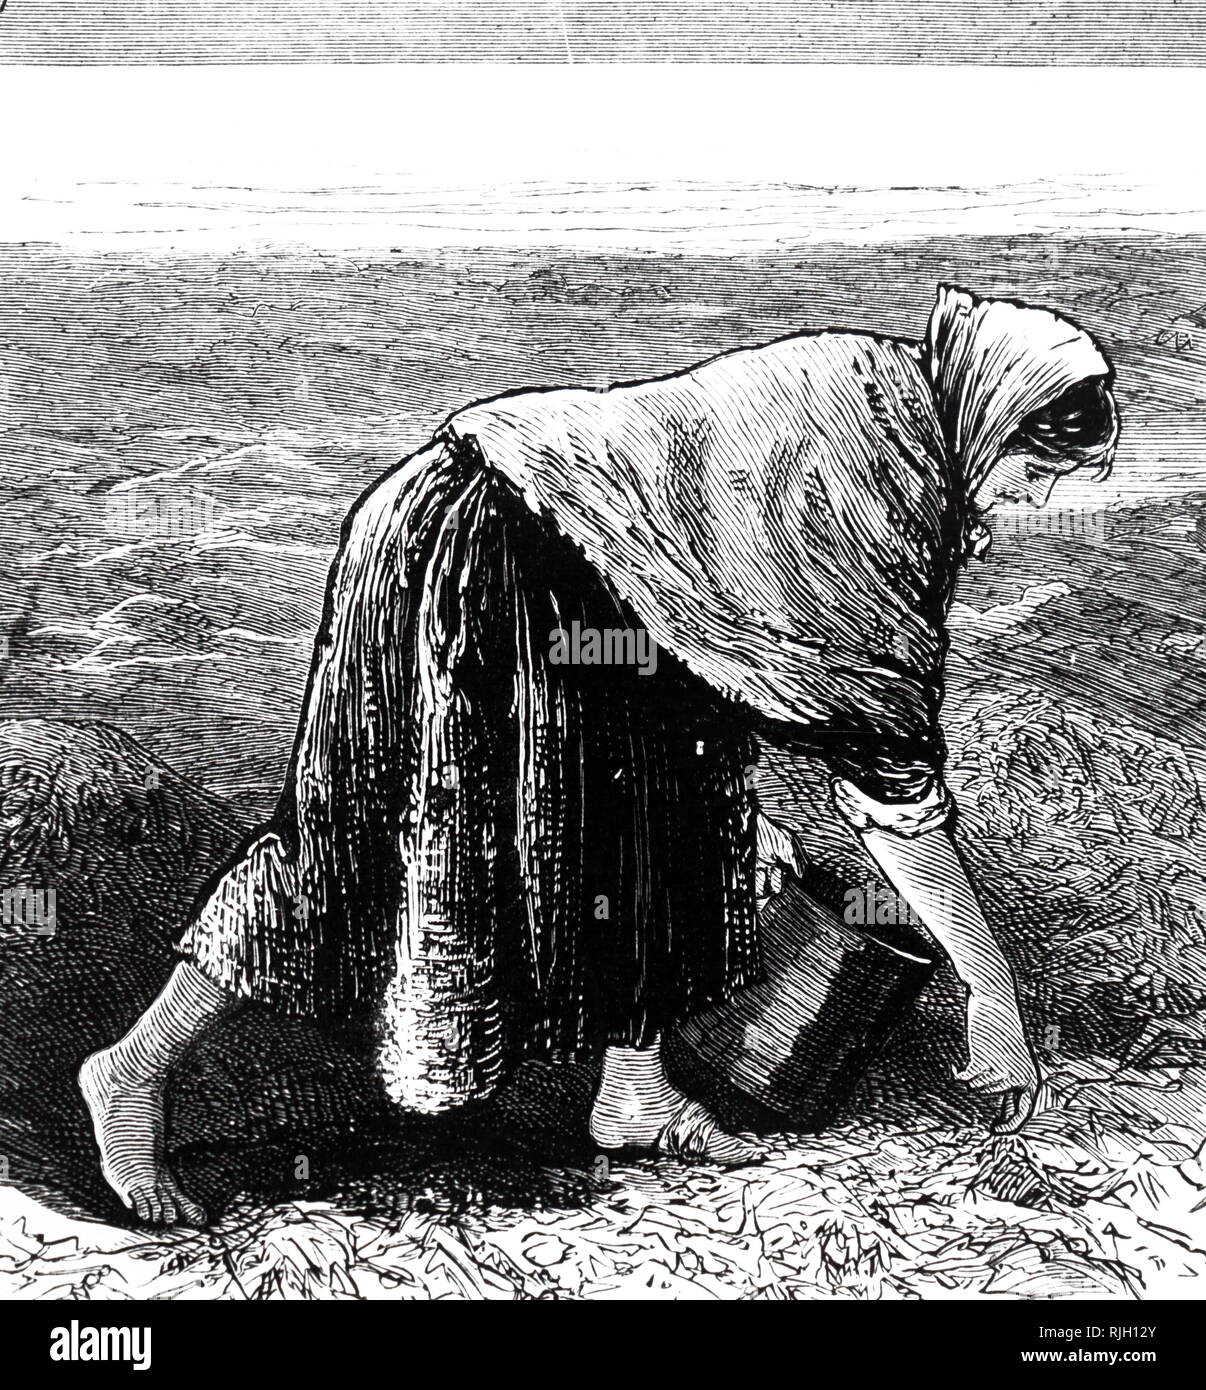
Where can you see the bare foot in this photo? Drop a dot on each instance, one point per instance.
(127, 1119)
(694, 1135)
(669, 1124)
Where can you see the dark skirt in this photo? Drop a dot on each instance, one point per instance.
(487, 851)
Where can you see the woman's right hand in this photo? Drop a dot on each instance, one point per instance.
(777, 851)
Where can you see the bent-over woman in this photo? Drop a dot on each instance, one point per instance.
(490, 847)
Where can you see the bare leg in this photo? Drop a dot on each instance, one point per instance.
(637, 1107)
(123, 1087)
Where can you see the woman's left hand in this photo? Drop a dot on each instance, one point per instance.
(999, 1060)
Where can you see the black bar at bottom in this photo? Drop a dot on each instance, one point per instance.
(842, 1338)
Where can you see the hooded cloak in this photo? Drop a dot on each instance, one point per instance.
(788, 520)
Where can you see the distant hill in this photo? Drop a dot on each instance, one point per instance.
(259, 393)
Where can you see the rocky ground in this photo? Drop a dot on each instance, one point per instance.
(313, 1196)
(1104, 1196)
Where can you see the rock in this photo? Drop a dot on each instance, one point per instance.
(1011, 1174)
(104, 851)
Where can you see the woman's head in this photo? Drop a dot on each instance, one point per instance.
(1079, 429)
(1022, 396)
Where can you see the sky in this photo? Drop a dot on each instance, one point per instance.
(1163, 32)
(629, 156)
